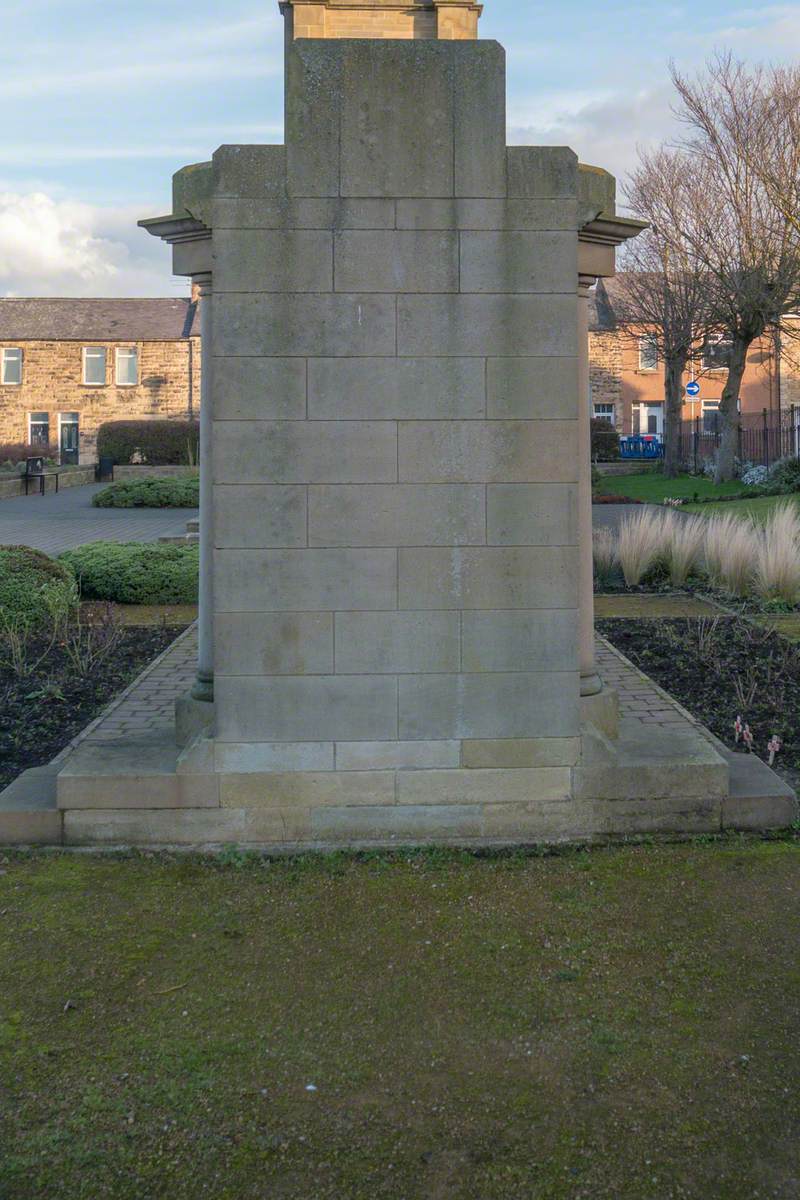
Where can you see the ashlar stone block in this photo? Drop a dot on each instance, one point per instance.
(462, 213)
(293, 324)
(269, 260)
(260, 389)
(263, 643)
(518, 261)
(306, 708)
(532, 514)
(407, 756)
(397, 643)
(304, 581)
(490, 577)
(480, 120)
(397, 134)
(504, 325)
(259, 758)
(514, 705)
(487, 451)
(305, 452)
(350, 389)
(539, 784)
(542, 171)
(532, 389)
(397, 515)
(257, 516)
(307, 789)
(335, 212)
(396, 261)
(419, 823)
(520, 641)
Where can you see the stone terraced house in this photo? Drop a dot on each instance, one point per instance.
(69, 365)
(627, 377)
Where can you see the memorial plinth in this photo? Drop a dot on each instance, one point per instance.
(396, 629)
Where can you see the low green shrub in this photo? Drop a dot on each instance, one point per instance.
(155, 443)
(605, 441)
(136, 572)
(34, 589)
(183, 492)
(784, 477)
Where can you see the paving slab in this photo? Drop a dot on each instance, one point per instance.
(59, 521)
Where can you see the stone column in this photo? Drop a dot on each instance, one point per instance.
(591, 683)
(204, 684)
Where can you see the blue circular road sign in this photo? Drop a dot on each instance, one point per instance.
(693, 389)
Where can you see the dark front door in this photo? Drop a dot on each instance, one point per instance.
(70, 439)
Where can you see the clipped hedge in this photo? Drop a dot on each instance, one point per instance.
(136, 572)
(605, 441)
(154, 443)
(151, 493)
(33, 586)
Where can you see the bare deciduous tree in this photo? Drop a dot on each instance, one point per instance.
(663, 291)
(744, 241)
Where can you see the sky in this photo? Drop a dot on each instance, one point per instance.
(102, 102)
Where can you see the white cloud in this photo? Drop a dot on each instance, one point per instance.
(604, 130)
(57, 247)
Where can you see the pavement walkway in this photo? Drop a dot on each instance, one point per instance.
(60, 521)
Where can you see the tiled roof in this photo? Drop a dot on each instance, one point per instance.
(74, 320)
(602, 318)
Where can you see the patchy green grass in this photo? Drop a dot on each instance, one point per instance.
(759, 508)
(618, 1024)
(654, 488)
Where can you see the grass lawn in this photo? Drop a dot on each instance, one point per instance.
(654, 489)
(613, 1025)
(759, 508)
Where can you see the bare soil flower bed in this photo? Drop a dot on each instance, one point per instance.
(43, 708)
(722, 668)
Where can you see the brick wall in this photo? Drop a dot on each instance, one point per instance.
(790, 366)
(605, 372)
(52, 376)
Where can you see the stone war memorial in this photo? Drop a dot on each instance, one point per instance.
(396, 638)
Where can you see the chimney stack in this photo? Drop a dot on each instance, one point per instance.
(450, 20)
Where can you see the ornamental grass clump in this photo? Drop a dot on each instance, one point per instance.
(731, 553)
(684, 548)
(604, 549)
(642, 543)
(777, 573)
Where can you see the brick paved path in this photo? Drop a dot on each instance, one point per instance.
(147, 705)
(57, 522)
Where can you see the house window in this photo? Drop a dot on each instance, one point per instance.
(710, 416)
(94, 366)
(39, 429)
(12, 365)
(604, 412)
(127, 367)
(648, 354)
(716, 354)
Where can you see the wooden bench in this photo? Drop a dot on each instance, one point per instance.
(34, 469)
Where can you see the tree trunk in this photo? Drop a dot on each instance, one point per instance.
(674, 369)
(729, 411)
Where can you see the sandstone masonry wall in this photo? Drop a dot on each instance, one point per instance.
(52, 382)
(395, 456)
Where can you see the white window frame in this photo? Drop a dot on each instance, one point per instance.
(715, 341)
(118, 355)
(5, 358)
(92, 350)
(31, 424)
(601, 416)
(652, 342)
